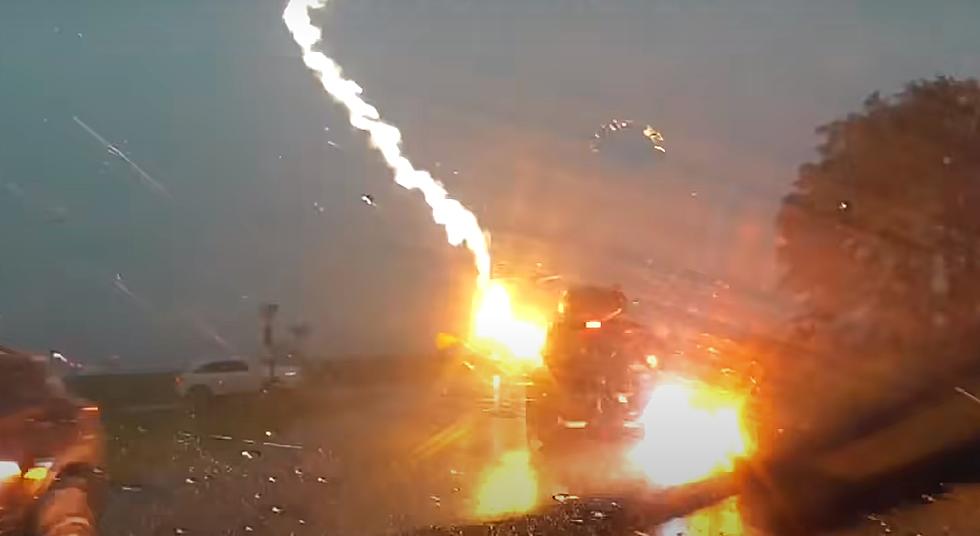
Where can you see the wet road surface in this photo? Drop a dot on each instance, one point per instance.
(396, 459)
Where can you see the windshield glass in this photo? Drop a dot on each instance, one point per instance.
(306, 259)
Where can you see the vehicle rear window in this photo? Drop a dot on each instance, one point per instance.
(224, 366)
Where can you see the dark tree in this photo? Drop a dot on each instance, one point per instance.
(880, 237)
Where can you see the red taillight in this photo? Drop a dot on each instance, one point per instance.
(593, 324)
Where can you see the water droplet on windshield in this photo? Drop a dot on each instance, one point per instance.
(277, 510)
(251, 454)
(190, 480)
(272, 479)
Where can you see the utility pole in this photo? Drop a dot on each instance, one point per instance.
(267, 313)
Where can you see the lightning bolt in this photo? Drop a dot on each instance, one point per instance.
(461, 225)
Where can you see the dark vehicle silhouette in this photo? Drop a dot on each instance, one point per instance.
(598, 369)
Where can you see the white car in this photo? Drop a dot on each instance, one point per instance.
(233, 376)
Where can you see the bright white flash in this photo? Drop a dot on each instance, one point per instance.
(462, 227)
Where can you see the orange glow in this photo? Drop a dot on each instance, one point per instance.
(509, 487)
(692, 431)
(593, 324)
(722, 518)
(509, 333)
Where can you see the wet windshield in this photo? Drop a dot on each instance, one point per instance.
(301, 265)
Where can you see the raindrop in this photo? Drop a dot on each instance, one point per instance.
(598, 515)
(321, 480)
(368, 200)
(843, 206)
(248, 528)
(277, 510)
(251, 454)
(272, 479)
(179, 530)
(131, 488)
(79, 34)
(564, 497)
(301, 521)
(297, 471)
(190, 480)
(332, 144)
(928, 498)
(257, 496)
(268, 433)
(947, 160)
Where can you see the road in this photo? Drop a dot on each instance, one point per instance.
(394, 459)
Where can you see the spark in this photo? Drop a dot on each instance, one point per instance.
(516, 335)
(692, 431)
(508, 487)
(461, 225)
(115, 151)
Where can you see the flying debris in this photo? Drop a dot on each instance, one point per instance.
(122, 287)
(115, 151)
(51, 213)
(652, 135)
(368, 200)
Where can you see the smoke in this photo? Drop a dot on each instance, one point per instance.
(462, 227)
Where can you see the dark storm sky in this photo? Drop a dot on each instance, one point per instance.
(211, 99)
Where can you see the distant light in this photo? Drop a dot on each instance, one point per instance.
(652, 361)
(593, 324)
(8, 470)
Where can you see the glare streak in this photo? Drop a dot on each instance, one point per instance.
(462, 227)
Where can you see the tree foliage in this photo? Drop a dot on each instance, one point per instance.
(880, 237)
